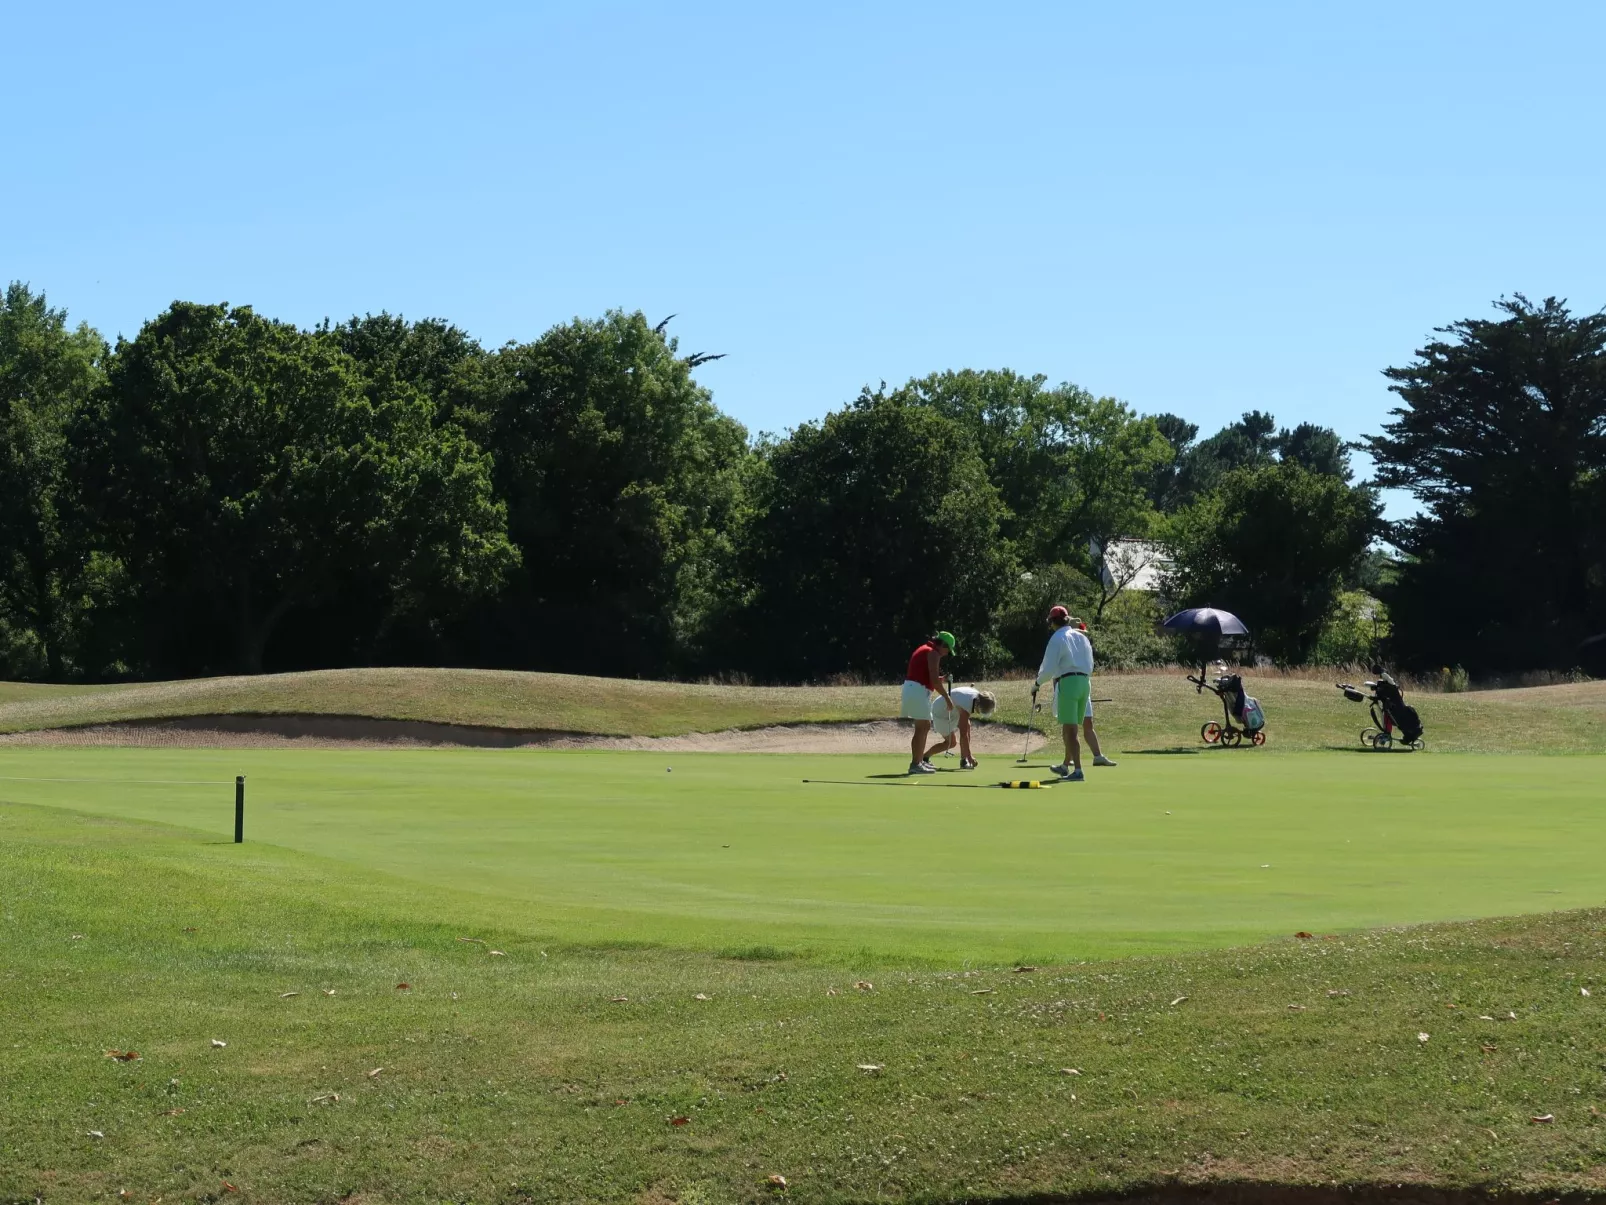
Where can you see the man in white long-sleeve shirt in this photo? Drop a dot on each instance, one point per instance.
(1068, 663)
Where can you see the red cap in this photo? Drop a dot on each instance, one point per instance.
(1058, 613)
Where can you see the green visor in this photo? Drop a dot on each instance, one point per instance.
(947, 638)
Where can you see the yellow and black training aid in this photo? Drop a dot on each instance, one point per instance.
(1022, 784)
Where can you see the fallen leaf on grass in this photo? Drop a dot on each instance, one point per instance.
(1337, 991)
(871, 1068)
(123, 1056)
(982, 991)
(1493, 1137)
(227, 1187)
(328, 1098)
(1511, 1016)
(1485, 1017)
(700, 996)
(778, 1078)
(1296, 1008)
(475, 940)
(1304, 936)
(830, 991)
(864, 985)
(1174, 1003)
(403, 987)
(680, 1121)
(97, 1134)
(1421, 1037)
(1069, 1071)
(498, 953)
(620, 1000)
(374, 1074)
(1023, 970)
(776, 1181)
(1583, 991)
(218, 1043)
(1488, 1049)
(77, 937)
(191, 929)
(287, 995)
(1543, 1119)
(173, 1113)
(328, 991)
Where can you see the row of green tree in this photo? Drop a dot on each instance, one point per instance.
(225, 492)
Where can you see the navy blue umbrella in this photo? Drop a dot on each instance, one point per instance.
(1206, 621)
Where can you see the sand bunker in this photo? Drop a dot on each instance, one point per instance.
(358, 732)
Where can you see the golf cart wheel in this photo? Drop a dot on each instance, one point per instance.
(1382, 741)
(1419, 744)
(1260, 736)
(1232, 737)
(1210, 733)
(1367, 735)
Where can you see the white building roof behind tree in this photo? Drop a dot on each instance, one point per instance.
(1130, 564)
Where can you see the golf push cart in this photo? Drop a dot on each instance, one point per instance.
(1394, 721)
(1207, 627)
(1235, 705)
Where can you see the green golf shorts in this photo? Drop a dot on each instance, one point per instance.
(1071, 695)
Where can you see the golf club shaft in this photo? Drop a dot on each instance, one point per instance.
(1031, 712)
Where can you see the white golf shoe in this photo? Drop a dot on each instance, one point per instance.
(1101, 760)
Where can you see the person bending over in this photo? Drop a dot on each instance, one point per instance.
(923, 678)
(1068, 664)
(946, 724)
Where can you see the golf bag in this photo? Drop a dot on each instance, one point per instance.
(1393, 719)
(1236, 705)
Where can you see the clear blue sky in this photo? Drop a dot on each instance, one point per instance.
(1196, 208)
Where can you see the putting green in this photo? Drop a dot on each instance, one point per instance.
(727, 851)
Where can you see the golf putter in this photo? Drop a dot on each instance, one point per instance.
(1031, 722)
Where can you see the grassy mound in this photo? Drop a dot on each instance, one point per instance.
(1147, 711)
(298, 1028)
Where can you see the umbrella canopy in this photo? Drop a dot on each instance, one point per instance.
(1207, 621)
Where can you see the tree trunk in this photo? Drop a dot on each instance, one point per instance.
(254, 632)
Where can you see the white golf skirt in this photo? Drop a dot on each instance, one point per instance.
(943, 721)
(916, 703)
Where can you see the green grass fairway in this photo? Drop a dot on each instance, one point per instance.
(731, 852)
(301, 1029)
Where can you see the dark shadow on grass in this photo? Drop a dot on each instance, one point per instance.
(914, 781)
(1246, 1193)
(1156, 752)
(1364, 749)
(758, 954)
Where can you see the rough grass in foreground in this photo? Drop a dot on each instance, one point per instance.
(550, 1074)
(1147, 711)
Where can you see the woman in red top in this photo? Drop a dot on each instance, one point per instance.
(922, 678)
